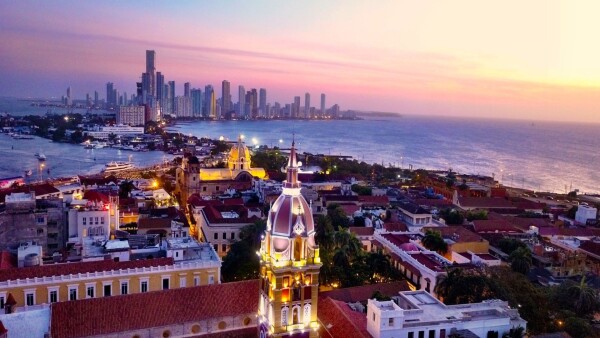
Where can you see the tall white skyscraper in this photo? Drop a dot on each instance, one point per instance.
(151, 72)
(225, 98)
(306, 105)
(262, 103)
(241, 101)
(322, 104)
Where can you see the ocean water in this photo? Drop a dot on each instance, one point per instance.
(549, 156)
(545, 156)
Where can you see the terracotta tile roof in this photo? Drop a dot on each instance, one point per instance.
(350, 209)
(494, 226)
(79, 267)
(39, 189)
(95, 195)
(154, 223)
(591, 247)
(7, 260)
(374, 200)
(233, 201)
(362, 231)
(456, 233)
(395, 226)
(340, 198)
(433, 202)
(103, 316)
(362, 293)
(485, 202)
(338, 320)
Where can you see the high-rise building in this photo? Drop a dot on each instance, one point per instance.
(290, 264)
(96, 99)
(241, 101)
(186, 89)
(322, 105)
(131, 115)
(160, 84)
(151, 72)
(307, 105)
(210, 102)
(335, 111)
(183, 106)
(69, 97)
(109, 94)
(171, 97)
(296, 107)
(196, 102)
(225, 98)
(262, 105)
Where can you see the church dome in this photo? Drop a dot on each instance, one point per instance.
(291, 215)
(239, 156)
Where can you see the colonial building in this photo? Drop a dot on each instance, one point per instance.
(192, 179)
(290, 265)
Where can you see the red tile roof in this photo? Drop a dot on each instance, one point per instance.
(374, 200)
(485, 202)
(494, 226)
(350, 209)
(7, 260)
(591, 247)
(79, 267)
(362, 293)
(362, 231)
(38, 189)
(95, 195)
(154, 223)
(395, 226)
(457, 233)
(103, 316)
(338, 320)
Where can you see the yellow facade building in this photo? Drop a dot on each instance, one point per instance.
(53, 283)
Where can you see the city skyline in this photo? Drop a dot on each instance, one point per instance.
(529, 61)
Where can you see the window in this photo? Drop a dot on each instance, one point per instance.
(124, 288)
(144, 286)
(224, 235)
(182, 281)
(101, 220)
(374, 318)
(233, 235)
(217, 188)
(2, 301)
(421, 334)
(53, 296)
(411, 335)
(203, 188)
(40, 231)
(72, 293)
(30, 298)
(211, 279)
(196, 280)
(216, 247)
(224, 247)
(107, 290)
(96, 220)
(40, 219)
(84, 220)
(90, 291)
(165, 283)
(216, 235)
(431, 333)
(391, 321)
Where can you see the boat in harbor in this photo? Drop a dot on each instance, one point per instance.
(22, 137)
(40, 156)
(117, 166)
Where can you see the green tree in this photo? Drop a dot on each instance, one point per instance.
(452, 216)
(125, 188)
(362, 190)
(571, 212)
(59, 134)
(337, 216)
(433, 240)
(508, 245)
(578, 327)
(241, 261)
(520, 260)
(379, 296)
(585, 298)
(477, 215)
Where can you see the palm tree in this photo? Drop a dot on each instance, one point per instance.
(433, 240)
(520, 260)
(446, 285)
(586, 298)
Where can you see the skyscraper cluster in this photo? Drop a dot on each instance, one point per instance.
(158, 96)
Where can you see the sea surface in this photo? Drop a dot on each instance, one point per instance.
(547, 156)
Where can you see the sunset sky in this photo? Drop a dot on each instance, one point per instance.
(534, 60)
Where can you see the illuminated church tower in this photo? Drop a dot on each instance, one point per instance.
(289, 265)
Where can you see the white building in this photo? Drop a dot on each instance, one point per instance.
(417, 314)
(102, 133)
(131, 115)
(414, 216)
(584, 213)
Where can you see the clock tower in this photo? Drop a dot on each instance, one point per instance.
(289, 264)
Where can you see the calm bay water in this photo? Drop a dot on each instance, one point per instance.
(540, 156)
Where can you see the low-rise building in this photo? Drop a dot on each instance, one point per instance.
(585, 213)
(417, 314)
(414, 216)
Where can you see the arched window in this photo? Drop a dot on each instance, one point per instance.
(296, 315)
(284, 316)
(306, 316)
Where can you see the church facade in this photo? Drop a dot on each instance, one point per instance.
(290, 263)
(191, 178)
